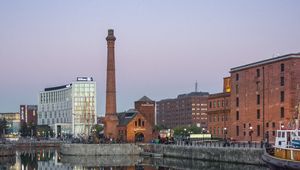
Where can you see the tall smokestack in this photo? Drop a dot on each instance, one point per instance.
(111, 118)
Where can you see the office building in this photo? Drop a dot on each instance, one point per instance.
(69, 109)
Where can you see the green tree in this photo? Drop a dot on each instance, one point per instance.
(3, 126)
(186, 130)
(24, 129)
(159, 127)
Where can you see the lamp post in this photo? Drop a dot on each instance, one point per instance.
(185, 136)
(225, 133)
(281, 127)
(250, 132)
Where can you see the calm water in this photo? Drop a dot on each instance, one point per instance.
(48, 159)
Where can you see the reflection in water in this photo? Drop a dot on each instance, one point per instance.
(48, 159)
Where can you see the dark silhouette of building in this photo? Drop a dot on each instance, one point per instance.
(28, 114)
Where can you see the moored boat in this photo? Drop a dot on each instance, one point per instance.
(285, 154)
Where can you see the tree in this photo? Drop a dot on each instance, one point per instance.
(24, 129)
(186, 130)
(96, 130)
(159, 127)
(3, 126)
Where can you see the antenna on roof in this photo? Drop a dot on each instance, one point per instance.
(196, 86)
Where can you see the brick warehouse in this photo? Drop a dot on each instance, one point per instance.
(218, 111)
(264, 97)
(185, 110)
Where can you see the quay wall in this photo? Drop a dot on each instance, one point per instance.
(7, 150)
(223, 154)
(100, 150)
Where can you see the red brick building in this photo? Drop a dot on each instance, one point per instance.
(137, 125)
(28, 114)
(218, 114)
(146, 106)
(185, 110)
(264, 95)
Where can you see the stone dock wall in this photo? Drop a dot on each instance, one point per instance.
(100, 150)
(224, 154)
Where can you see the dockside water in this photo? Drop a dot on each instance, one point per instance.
(50, 158)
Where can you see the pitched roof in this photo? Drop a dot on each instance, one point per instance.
(126, 117)
(145, 99)
(267, 61)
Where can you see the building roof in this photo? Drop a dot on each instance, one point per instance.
(218, 95)
(126, 117)
(57, 87)
(267, 61)
(193, 94)
(145, 99)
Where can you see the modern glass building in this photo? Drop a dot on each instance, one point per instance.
(69, 109)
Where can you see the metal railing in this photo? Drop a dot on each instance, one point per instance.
(214, 144)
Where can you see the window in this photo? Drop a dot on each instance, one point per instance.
(143, 123)
(237, 102)
(258, 99)
(135, 123)
(258, 130)
(244, 125)
(267, 124)
(139, 122)
(273, 133)
(258, 114)
(282, 96)
(282, 112)
(257, 72)
(237, 77)
(273, 124)
(237, 115)
(244, 133)
(257, 86)
(282, 67)
(281, 81)
(237, 131)
(210, 104)
(237, 89)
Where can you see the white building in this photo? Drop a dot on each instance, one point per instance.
(69, 109)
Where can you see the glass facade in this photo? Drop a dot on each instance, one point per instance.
(84, 107)
(69, 109)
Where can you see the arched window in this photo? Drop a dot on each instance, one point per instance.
(143, 123)
(139, 122)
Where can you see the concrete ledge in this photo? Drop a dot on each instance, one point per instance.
(93, 161)
(100, 150)
(221, 154)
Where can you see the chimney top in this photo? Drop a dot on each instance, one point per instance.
(110, 36)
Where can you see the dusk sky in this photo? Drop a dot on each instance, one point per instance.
(162, 46)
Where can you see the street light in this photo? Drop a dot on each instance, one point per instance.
(282, 126)
(251, 131)
(225, 133)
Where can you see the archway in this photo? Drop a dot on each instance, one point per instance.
(139, 137)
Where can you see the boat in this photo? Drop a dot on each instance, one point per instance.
(285, 154)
